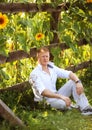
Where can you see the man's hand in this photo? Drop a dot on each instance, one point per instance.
(48, 93)
(79, 88)
(67, 100)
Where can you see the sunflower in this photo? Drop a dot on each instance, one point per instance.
(89, 1)
(39, 36)
(3, 20)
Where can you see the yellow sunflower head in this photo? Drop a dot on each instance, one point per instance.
(89, 1)
(3, 20)
(39, 36)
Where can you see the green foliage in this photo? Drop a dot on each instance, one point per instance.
(87, 82)
(72, 26)
(56, 54)
(20, 33)
(40, 23)
(23, 27)
(68, 57)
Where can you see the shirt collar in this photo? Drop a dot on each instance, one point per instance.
(50, 65)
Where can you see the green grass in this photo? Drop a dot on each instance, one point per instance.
(57, 120)
(48, 119)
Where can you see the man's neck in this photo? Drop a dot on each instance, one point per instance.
(45, 68)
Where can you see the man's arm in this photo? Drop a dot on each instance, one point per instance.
(49, 94)
(79, 86)
(73, 77)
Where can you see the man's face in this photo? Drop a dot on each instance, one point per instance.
(43, 58)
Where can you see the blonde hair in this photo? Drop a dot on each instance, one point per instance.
(42, 49)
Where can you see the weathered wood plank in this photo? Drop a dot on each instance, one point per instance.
(80, 66)
(21, 54)
(34, 7)
(7, 114)
(17, 87)
(29, 7)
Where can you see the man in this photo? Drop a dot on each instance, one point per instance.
(43, 79)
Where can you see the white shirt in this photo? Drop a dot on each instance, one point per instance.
(41, 80)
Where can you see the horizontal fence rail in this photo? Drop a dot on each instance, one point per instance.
(34, 7)
(20, 54)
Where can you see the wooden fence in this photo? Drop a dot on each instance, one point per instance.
(20, 54)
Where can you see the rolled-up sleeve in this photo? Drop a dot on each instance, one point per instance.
(38, 86)
(61, 72)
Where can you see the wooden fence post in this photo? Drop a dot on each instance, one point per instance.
(7, 114)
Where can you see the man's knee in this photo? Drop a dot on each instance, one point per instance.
(59, 104)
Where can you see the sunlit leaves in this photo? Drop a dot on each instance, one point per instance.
(74, 25)
(22, 39)
(23, 27)
(40, 23)
(56, 54)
